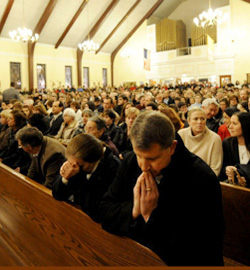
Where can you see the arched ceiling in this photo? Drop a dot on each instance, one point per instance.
(70, 22)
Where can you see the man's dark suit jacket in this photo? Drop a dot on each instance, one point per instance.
(55, 125)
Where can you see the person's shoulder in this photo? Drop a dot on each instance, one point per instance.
(213, 135)
(229, 140)
(110, 157)
(183, 130)
(199, 170)
(52, 143)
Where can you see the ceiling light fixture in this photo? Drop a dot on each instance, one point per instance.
(208, 18)
(23, 34)
(88, 45)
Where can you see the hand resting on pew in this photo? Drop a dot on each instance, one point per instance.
(231, 171)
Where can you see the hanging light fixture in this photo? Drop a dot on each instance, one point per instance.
(88, 45)
(23, 34)
(208, 18)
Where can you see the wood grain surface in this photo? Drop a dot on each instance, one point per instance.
(37, 230)
(236, 204)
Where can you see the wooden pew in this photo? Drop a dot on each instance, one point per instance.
(236, 203)
(37, 230)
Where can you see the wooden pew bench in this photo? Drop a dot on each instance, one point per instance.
(236, 203)
(37, 230)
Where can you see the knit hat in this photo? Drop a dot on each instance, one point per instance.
(69, 112)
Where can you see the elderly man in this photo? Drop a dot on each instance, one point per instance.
(213, 113)
(165, 197)
(47, 155)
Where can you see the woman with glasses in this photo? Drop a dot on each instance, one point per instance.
(87, 174)
(201, 141)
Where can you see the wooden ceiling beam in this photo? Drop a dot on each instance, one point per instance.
(101, 20)
(45, 16)
(82, 6)
(146, 16)
(6, 14)
(118, 25)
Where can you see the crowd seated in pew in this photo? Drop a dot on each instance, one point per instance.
(62, 102)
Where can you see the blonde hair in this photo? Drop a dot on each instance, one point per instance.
(195, 109)
(5, 113)
(132, 110)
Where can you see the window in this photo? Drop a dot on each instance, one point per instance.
(41, 76)
(68, 76)
(86, 77)
(104, 77)
(15, 74)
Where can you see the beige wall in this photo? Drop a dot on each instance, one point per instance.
(240, 20)
(55, 61)
(96, 63)
(130, 68)
(12, 52)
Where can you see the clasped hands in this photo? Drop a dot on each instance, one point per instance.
(146, 196)
(69, 169)
(230, 172)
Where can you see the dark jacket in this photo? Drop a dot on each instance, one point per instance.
(12, 155)
(115, 134)
(88, 193)
(55, 125)
(186, 228)
(230, 155)
(126, 145)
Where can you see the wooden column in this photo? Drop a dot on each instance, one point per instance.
(31, 48)
(79, 54)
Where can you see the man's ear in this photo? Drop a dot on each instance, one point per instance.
(172, 147)
(29, 147)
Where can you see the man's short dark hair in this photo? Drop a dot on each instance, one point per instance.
(100, 123)
(109, 98)
(110, 113)
(30, 136)
(60, 103)
(180, 104)
(152, 127)
(153, 105)
(124, 97)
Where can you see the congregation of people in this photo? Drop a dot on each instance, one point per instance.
(141, 160)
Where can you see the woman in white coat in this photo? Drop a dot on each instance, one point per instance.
(68, 127)
(201, 141)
